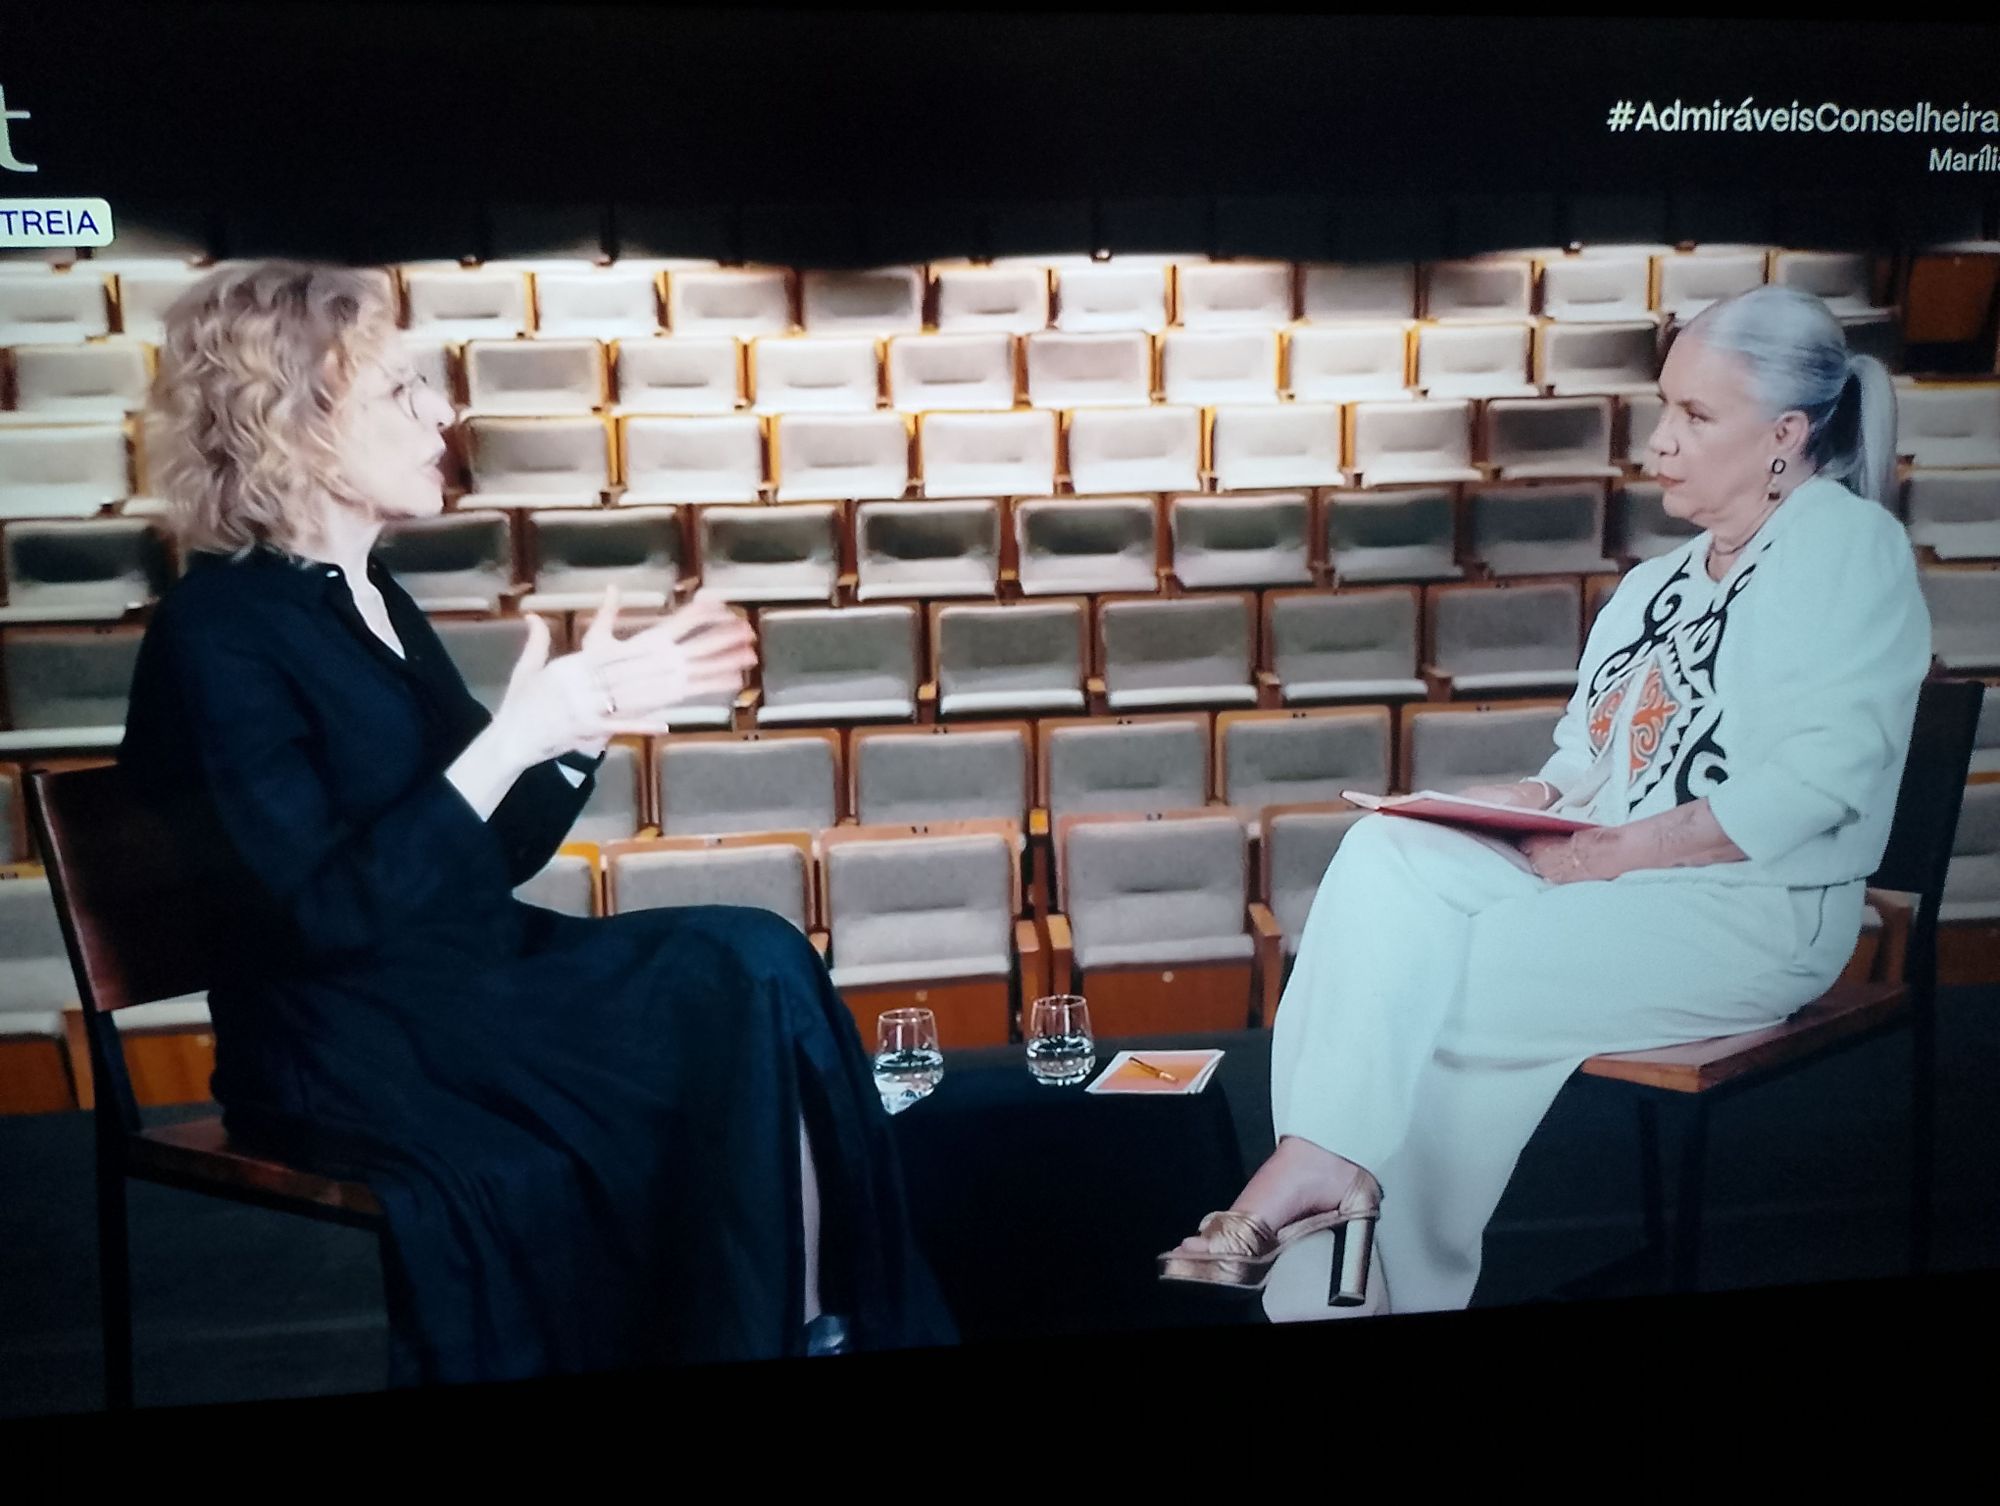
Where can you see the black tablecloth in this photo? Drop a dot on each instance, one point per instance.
(1042, 1209)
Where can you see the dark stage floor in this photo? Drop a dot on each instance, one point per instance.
(1807, 1183)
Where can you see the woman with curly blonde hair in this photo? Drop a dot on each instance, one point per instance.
(597, 1142)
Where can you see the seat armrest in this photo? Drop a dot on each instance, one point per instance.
(1062, 954)
(1437, 684)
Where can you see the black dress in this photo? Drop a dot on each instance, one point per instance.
(583, 1133)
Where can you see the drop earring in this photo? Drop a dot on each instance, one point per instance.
(1777, 470)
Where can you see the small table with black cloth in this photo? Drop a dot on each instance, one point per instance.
(1042, 1209)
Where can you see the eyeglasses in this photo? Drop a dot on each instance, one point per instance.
(407, 394)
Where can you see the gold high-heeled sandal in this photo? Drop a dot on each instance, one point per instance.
(1250, 1248)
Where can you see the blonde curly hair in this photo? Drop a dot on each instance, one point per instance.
(254, 365)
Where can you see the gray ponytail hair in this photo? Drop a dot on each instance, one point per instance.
(1798, 358)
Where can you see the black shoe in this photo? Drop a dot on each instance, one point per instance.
(826, 1334)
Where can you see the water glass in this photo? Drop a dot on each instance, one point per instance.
(1061, 1051)
(908, 1063)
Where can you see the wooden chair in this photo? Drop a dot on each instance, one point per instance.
(137, 932)
(1691, 1079)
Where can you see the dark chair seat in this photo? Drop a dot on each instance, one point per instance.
(1845, 1009)
(199, 1155)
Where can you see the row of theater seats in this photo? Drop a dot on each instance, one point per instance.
(574, 297)
(66, 686)
(587, 460)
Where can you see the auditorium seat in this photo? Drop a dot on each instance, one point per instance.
(961, 772)
(970, 369)
(69, 383)
(1969, 936)
(851, 664)
(63, 472)
(759, 870)
(829, 457)
(1071, 545)
(1549, 437)
(928, 919)
(66, 687)
(698, 458)
(815, 374)
(1346, 645)
(1393, 444)
(1262, 445)
(926, 549)
(455, 562)
(877, 301)
(1573, 360)
(1595, 289)
(1955, 514)
(1689, 284)
(450, 302)
(13, 817)
(1483, 360)
(1155, 925)
(533, 377)
(42, 307)
(1296, 846)
(567, 884)
(486, 649)
(1877, 333)
(1266, 758)
(1010, 299)
(617, 302)
(1333, 291)
(144, 294)
(613, 812)
(1640, 527)
(739, 301)
(1401, 533)
(1153, 449)
(74, 570)
(1009, 659)
(1481, 288)
(36, 986)
(1503, 636)
(538, 462)
(769, 553)
(1965, 616)
(1450, 748)
(1639, 415)
(1233, 294)
(1949, 425)
(716, 782)
(1245, 539)
(680, 374)
(1597, 590)
(1349, 362)
(1537, 527)
(1209, 367)
(577, 554)
(1181, 651)
(1071, 370)
(987, 454)
(1122, 764)
(1986, 746)
(1840, 279)
(1119, 294)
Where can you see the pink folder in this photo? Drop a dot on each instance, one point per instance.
(1482, 815)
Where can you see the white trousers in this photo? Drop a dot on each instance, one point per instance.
(1442, 995)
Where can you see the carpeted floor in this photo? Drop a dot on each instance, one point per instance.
(1807, 1182)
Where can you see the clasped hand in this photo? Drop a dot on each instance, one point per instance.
(611, 686)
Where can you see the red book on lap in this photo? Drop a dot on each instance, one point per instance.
(1481, 815)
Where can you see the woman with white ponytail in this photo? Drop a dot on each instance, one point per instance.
(598, 1143)
(1741, 717)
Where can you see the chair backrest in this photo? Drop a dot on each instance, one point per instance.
(1918, 854)
(137, 925)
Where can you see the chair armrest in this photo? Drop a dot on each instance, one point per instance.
(1898, 911)
(821, 940)
(749, 697)
(1437, 684)
(1038, 822)
(1270, 953)
(1062, 954)
(1033, 961)
(1270, 690)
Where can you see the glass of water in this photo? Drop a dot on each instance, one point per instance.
(908, 1063)
(1060, 1049)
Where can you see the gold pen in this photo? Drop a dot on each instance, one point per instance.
(1145, 1066)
